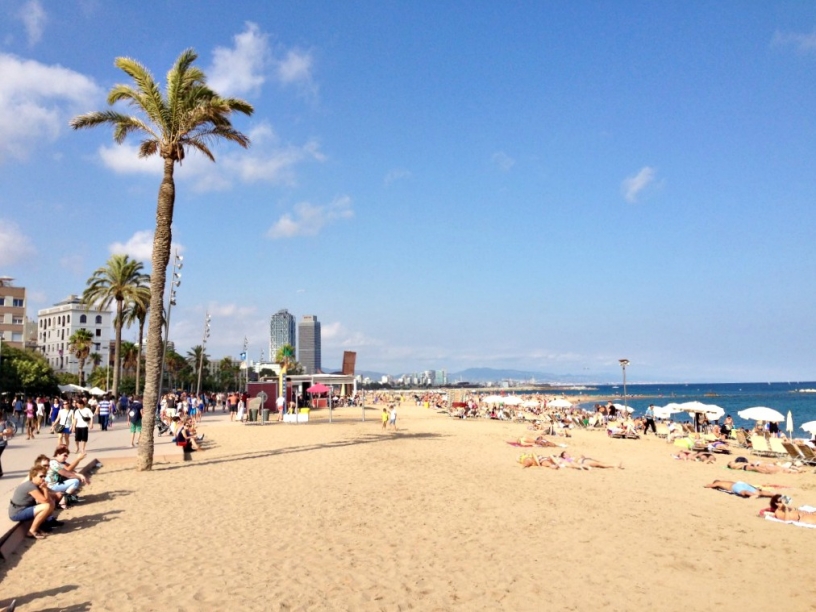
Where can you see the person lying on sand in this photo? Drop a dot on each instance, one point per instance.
(584, 462)
(539, 441)
(690, 455)
(781, 509)
(531, 460)
(739, 488)
(741, 463)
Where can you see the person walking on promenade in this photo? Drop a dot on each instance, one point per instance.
(135, 420)
(650, 420)
(103, 411)
(82, 422)
(384, 417)
(30, 418)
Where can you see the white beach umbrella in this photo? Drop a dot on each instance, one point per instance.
(559, 403)
(493, 399)
(664, 412)
(789, 424)
(96, 391)
(512, 400)
(761, 413)
(530, 403)
(809, 427)
(71, 388)
(624, 408)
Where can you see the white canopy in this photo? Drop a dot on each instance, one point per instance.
(761, 413)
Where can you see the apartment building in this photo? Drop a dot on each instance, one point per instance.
(12, 313)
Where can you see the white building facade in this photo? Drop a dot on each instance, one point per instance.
(57, 324)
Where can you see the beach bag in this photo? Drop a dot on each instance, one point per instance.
(59, 428)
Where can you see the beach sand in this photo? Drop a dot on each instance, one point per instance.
(437, 516)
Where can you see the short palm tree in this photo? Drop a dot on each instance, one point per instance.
(136, 312)
(187, 115)
(130, 356)
(80, 344)
(118, 281)
(285, 356)
(96, 359)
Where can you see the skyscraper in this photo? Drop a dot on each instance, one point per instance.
(281, 331)
(309, 345)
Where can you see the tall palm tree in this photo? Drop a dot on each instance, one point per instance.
(136, 312)
(228, 374)
(118, 281)
(187, 115)
(130, 356)
(80, 344)
(197, 356)
(96, 359)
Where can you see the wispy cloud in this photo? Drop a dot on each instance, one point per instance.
(803, 43)
(503, 161)
(308, 219)
(296, 68)
(633, 186)
(14, 244)
(397, 174)
(34, 18)
(75, 263)
(37, 101)
(241, 69)
(140, 246)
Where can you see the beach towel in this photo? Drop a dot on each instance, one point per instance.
(771, 517)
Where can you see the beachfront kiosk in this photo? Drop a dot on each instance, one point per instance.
(299, 384)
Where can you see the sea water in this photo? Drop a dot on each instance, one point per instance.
(731, 397)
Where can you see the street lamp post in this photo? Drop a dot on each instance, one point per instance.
(624, 363)
(245, 359)
(203, 348)
(175, 282)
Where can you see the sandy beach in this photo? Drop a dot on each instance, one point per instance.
(436, 516)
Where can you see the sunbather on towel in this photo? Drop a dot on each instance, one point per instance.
(739, 488)
(531, 460)
(741, 463)
(539, 441)
(583, 462)
(691, 455)
(782, 510)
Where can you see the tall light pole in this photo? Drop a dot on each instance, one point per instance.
(175, 282)
(203, 348)
(624, 363)
(244, 358)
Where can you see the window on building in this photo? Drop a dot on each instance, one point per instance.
(16, 337)
(17, 321)
(83, 319)
(99, 319)
(2, 301)
(97, 346)
(18, 303)
(98, 333)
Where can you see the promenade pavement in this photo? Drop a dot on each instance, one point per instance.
(19, 456)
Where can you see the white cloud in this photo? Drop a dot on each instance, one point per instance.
(395, 175)
(633, 186)
(296, 69)
(503, 161)
(804, 43)
(337, 335)
(240, 70)
(268, 162)
(124, 159)
(307, 219)
(140, 247)
(14, 244)
(33, 17)
(37, 101)
(231, 310)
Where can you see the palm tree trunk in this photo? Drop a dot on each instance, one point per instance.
(81, 372)
(117, 347)
(161, 256)
(139, 356)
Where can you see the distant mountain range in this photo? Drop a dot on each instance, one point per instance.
(480, 375)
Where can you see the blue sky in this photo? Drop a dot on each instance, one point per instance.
(529, 185)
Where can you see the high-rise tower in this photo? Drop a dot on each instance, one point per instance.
(281, 331)
(309, 344)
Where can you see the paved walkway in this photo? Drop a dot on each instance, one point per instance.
(19, 456)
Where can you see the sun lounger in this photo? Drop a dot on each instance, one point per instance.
(662, 430)
(793, 452)
(759, 446)
(777, 448)
(808, 456)
(742, 439)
